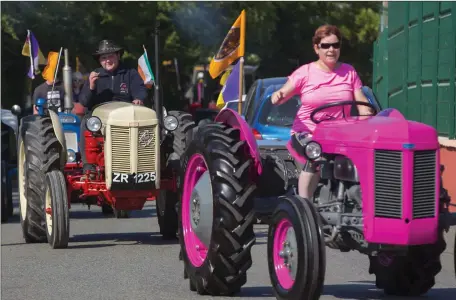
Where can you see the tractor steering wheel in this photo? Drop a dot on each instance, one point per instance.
(339, 103)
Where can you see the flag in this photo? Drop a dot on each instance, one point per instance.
(32, 49)
(232, 48)
(49, 70)
(79, 66)
(230, 90)
(225, 77)
(145, 71)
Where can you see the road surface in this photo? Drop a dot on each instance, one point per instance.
(126, 259)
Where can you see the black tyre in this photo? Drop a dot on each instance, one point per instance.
(107, 209)
(56, 208)
(411, 275)
(222, 163)
(9, 194)
(39, 153)
(296, 250)
(167, 200)
(4, 194)
(121, 214)
(166, 214)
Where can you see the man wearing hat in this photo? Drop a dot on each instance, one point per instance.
(113, 81)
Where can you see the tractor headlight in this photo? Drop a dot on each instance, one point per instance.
(313, 150)
(170, 123)
(93, 124)
(71, 156)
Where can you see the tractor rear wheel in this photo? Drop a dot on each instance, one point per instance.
(296, 250)
(217, 211)
(166, 201)
(56, 208)
(39, 153)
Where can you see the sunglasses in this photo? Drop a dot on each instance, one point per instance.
(328, 45)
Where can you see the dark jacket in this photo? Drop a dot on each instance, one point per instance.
(44, 91)
(121, 85)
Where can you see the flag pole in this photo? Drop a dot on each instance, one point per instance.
(241, 83)
(241, 61)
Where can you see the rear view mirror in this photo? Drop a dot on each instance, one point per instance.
(16, 110)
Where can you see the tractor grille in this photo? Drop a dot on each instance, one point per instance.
(120, 145)
(71, 140)
(388, 184)
(147, 138)
(424, 168)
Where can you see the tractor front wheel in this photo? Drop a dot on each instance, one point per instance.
(296, 250)
(56, 208)
(410, 275)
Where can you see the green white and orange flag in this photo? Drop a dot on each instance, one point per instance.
(145, 71)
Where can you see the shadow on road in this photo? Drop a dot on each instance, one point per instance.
(133, 238)
(255, 292)
(95, 213)
(368, 290)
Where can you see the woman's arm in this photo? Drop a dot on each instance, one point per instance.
(359, 96)
(283, 94)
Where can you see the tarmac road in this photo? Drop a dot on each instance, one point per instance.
(126, 259)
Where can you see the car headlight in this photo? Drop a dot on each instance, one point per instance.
(71, 156)
(313, 150)
(93, 124)
(171, 123)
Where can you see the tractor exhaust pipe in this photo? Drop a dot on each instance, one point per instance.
(158, 105)
(67, 84)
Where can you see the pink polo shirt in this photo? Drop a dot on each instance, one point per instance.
(317, 87)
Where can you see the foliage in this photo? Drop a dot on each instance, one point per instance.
(278, 35)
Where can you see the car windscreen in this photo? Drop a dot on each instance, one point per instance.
(232, 105)
(279, 115)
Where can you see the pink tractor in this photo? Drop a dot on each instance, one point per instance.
(380, 193)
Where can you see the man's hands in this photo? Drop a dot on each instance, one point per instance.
(277, 97)
(137, 102)
(92, 79)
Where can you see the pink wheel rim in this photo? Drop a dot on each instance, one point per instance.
(281, 271)
(196, 250)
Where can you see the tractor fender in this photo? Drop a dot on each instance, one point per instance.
(58, 130)
(233, 119)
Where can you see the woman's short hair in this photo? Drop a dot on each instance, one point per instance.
(324, 31)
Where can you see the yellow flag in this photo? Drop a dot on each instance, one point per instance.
(232, 48)
(49, 70)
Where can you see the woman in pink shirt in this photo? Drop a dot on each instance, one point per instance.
(321, 82)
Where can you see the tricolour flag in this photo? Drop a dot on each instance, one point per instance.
(145, 71)
(32, 49)
(232, 48)
(230, 90)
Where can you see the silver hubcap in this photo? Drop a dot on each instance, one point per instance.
(201, 209)
(289, 253)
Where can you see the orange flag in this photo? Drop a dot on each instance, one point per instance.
(49, 70)
(232, 48)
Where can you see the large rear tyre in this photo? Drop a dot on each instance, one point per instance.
(411, 275)
(296, 250)
(217, 211)
(4, 194)
(166, 201)
(56, 208)
(39, 153)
